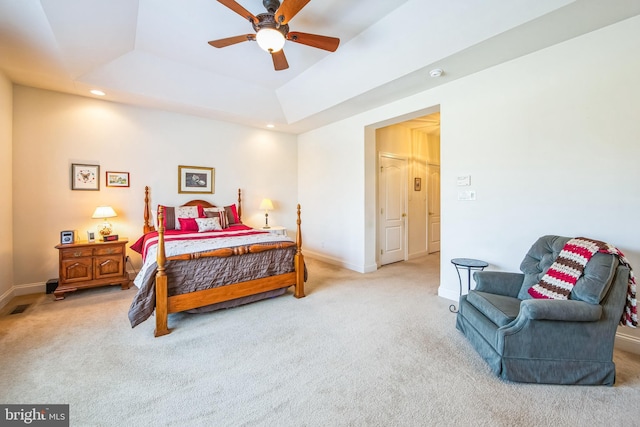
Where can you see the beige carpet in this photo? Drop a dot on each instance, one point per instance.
(379, 349)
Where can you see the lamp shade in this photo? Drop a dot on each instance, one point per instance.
(270, 40)
(266, 205)
(104, 212)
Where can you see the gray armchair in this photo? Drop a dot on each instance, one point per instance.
(547, 341)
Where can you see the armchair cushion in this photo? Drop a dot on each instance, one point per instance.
(591, 287)
(500, 309)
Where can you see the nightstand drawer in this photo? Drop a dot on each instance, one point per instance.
(109, 250)
(75, 252)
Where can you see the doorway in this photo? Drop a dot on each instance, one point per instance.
(417, 141)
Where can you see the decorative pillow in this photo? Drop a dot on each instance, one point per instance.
(187, 224)
(232, 214)
(219, 213)
(208, 224)
(169, 217)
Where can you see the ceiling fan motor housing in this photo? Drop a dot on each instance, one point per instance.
(267, 20)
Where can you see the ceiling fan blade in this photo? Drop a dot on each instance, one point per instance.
(288, 9)
(231, 4)
(314, 40)
(279, 60)
(232, 40)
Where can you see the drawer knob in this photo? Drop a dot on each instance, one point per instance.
(77, 254)
(110, 251)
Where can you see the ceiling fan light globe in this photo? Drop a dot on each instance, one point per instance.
(270, 39)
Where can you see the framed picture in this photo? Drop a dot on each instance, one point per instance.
(195, 179)
(417, 184)
(85, 177)
(117, 179)
(91, 236)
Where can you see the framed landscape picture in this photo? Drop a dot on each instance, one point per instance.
(85, 177)
(117, 179)
(195, 179)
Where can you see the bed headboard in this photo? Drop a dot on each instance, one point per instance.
(148, 218)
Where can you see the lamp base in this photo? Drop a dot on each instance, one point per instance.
(105, 229)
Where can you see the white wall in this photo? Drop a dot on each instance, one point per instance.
(6, 210)
(550, 141)
(52, 131)
(331, 187)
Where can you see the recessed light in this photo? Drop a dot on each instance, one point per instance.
(97, 92)
(436, 72)
(271, 126)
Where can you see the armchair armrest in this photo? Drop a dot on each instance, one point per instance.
(563, 310)
(499, 282)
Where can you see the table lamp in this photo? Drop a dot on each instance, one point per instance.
(104, 212)
(267, 206)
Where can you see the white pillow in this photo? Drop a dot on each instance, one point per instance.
(185, 212)
(208, 224)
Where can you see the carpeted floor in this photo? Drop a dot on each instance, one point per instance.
(379, 349)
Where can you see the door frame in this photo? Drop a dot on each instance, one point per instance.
(371, 249)
(429, 188)
(405, 201)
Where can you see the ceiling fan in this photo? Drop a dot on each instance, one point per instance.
(272, 30)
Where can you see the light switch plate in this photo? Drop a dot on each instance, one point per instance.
(468, 195)
(464, 181)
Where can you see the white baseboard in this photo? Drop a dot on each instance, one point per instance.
(627, 342)
(6, 297)
(340, 263)
(450, 294)
(28, 289)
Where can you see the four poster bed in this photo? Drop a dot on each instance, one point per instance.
(202, 258)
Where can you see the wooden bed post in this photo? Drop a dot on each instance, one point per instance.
(147, 212)
(299, 261)
(239, 206)
(161, 281)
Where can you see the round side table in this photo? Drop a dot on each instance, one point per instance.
(468, 264)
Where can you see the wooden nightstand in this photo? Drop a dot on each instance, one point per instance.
(276, 229)
(87, 265)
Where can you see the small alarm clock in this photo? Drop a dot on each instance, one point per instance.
(66, 237)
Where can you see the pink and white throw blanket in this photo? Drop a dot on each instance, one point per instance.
(563, 274)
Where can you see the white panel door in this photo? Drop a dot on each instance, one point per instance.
(392, 186)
